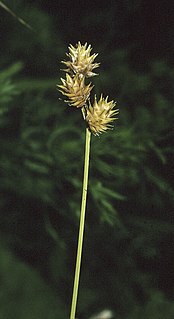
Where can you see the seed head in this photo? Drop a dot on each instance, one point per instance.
(100, 115)
(75, 89)
(80, 60)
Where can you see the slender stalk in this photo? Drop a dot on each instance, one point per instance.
(81, 226)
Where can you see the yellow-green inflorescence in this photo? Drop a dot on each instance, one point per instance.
(75, 89)
(80, 66)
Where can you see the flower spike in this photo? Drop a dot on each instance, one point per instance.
(100, 116)
(102, 113)
(81, 61)
(75, 89)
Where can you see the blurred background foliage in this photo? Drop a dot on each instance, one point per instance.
(128, 250)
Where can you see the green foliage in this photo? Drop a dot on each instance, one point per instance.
(129, 225)
(158, 307)
(20, 282)
(8, 91)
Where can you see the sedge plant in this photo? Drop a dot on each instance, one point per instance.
(98, 116)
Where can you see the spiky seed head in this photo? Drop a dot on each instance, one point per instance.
(75, 89)
(81, 61)
(100, 115)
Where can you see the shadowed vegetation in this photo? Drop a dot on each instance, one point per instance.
(128, 249)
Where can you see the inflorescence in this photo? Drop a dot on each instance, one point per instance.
(80, 66)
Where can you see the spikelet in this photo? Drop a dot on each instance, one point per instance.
(100, 116)
(75, 89)
(81, 61)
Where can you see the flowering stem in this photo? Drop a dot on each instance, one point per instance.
(81, 227)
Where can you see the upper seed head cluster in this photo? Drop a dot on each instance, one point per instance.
(81, 62)
(98, 115)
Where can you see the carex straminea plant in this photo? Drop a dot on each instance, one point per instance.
(98, 116)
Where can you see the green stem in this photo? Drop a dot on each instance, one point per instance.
(81, 227)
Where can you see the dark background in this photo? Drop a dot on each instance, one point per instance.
(129, 237)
